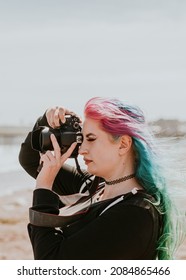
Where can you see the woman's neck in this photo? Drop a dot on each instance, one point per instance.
(111, 191)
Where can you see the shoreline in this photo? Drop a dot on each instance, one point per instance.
(15, 180)
(14, 205)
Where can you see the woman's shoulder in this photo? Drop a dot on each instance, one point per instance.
(136, 203)
(140, 205)
(142, 201)
(141, 198)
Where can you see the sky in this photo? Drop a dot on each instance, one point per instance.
(61, 53)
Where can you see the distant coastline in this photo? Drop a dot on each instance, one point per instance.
(13, 134)
(168, 128)
(161, 128)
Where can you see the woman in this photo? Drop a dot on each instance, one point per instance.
(130, 212)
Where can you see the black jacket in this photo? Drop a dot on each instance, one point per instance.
(127, 230)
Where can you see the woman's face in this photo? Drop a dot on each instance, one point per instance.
(100, 152)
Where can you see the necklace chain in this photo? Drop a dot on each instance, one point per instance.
(117, 181)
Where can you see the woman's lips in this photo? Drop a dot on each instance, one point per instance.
(87, 161)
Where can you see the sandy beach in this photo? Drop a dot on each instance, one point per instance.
(14, 240)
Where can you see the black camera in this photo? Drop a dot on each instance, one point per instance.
(66, 134)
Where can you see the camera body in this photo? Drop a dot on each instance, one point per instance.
(66, 134)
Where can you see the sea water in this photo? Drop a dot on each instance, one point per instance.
(9, 158)
(173, 150)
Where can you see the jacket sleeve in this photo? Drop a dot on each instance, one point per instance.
(28, 157)
(67, 181)
(121, 232)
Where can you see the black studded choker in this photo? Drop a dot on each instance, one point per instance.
(117, 181)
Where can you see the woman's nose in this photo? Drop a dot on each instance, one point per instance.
(82, 149)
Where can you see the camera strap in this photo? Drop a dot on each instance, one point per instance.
(68, 214)
(51, 220)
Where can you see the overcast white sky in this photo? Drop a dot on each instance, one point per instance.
(55, 52)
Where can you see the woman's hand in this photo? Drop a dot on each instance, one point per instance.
(56, 115)
(52, 162)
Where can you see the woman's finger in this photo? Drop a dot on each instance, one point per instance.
(61, 114)
(68, 153)
(49, 116)
(56, 117)
(44, 159)
(57, 149)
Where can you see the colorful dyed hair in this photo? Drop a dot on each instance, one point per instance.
(119, 119)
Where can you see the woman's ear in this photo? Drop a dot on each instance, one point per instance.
(125, 144)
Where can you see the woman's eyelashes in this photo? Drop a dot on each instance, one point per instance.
(91, 139)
